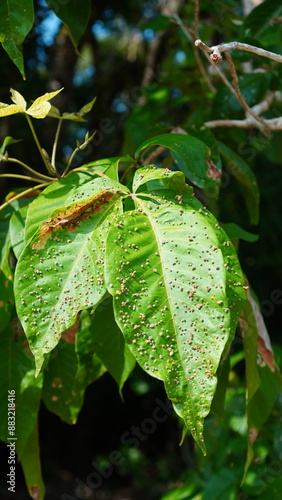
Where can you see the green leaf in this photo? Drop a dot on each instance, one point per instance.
(191, 156)
(16, 230)
(245, 178)
(16, 20)
(109, 345)
(260, 18)
(169, 179)
(65, 380)
(75, 16)
(60, 271)
(30, 461)
(109, 166)
(89, 367)
(235, 232)
(17, 373)
(8, 140)
(177, 289)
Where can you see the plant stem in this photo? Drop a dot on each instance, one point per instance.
(53, 158)
(46, 163)
(23, 194)
(18, 176)
(14, 160)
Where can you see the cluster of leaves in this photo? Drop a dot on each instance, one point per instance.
(100, 270)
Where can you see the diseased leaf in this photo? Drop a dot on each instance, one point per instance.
(16, 20)
(76, 186)
(60, 271)
(5, 243)
(177, 289)
(245, 178)
(30, 462)
(191, 155)
(109, 344)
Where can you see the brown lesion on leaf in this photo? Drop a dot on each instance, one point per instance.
(266, 353)
(213, 171)
(70, 218)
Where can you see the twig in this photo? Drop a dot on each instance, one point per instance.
(53, 157)
(24, 193)
(272, 123)
(19, 176)
(46, 163)
(14, 160)
(152, 156)
(215, 51)
(75, 151)
(197, 57)
(240, 97)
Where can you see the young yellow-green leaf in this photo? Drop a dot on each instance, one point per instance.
(41, 107)
(8, 140)
(16, 20)
(18, 99)
(9, 109)
(178, 291)
(168, 179)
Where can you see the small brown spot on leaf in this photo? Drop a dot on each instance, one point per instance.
(34, 492)
(213, 171)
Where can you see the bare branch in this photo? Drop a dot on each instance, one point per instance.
(215, 52)
(240, 97)
(272, 123)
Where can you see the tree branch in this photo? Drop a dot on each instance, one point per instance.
(240, 97)
(215, 51)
